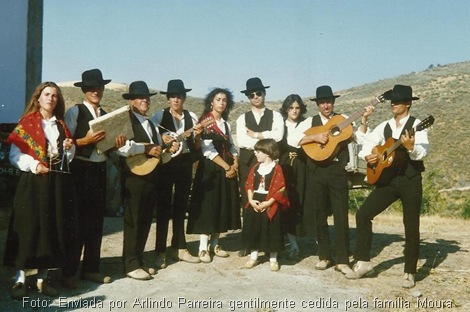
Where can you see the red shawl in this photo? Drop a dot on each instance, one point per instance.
(29, 136)
(277, 190)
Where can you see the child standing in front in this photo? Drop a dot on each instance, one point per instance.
(266, 193)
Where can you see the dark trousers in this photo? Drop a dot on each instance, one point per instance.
(142, 195)
(173, 193)
(90, 184)
(330, 188)
(409, 191)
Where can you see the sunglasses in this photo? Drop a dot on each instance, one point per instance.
(252, 95)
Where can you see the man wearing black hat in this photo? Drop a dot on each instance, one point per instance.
(406, 185)
(259, 123)
(178, 172)
(141, 188)
(89, 171)
(327, 186)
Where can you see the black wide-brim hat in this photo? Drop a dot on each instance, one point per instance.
(92, 78)
(400, 93)
(254, 84)
(324, 93)
(175, 86)
(138, 89)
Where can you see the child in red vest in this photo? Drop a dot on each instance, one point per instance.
(265, 188)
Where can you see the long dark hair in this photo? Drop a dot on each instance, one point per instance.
(210, 97)
(33, 104)
(288, 102)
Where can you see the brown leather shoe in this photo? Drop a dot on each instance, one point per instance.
(46, 289)
(323, 264)
(219, 252)
(343, 268)
(362, 268)
(184, 255)
(139, 274)
(96, 278)
(409, 281)
(149, 270)
(19, 291)
(204, 256)
(251, 264)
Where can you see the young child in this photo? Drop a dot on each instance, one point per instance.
(265, 189)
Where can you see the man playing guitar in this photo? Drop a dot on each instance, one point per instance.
(406, 185)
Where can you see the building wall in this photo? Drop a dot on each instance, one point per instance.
(20, 55)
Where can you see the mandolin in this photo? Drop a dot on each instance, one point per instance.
(143, 164)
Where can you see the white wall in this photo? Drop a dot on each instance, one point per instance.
(13, 38)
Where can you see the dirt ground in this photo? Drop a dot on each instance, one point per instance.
(443, 278)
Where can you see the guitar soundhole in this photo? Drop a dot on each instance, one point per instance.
(334, 131)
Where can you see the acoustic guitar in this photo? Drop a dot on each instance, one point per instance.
(339, 130)
(143, 164)
(388, 162)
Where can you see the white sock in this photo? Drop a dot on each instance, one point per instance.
(203, 241)
(273, 257)
(254, 255)
(20, 276)
(42, 275)
(214, 240)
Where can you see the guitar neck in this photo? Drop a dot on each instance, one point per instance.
(397, 143)
(356, 115)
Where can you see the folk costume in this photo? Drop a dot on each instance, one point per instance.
(406, 185)
(175, 189)
(215, 202)
(89, 172)
(141, 194)
(42, 221)
(262, 230)
(292, 161)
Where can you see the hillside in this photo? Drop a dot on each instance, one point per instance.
(444, 92)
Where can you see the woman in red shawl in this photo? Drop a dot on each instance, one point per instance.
(40, 226)
(265, 188)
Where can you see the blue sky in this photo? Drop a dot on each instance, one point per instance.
(293, 46)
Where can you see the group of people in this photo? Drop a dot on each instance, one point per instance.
(267, 181)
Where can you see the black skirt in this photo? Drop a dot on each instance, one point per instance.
(43, 221)
(215, 201)
(260, 233)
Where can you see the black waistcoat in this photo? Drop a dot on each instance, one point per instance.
(409, 167)
(265, 123)
(84, 116)
(167, 123)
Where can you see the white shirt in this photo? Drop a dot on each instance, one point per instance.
(207, 147)
(156, 119)
(71, 121)
(27, 163)
(276, 133)
(376, 137)
(134, 148)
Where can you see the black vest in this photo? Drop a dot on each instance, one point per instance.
(84, 116)
(409, 167)
(167, 123)
(265, 124)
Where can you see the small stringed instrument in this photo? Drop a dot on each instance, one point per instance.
(143, 164)
(339, 130)
(383, 171)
